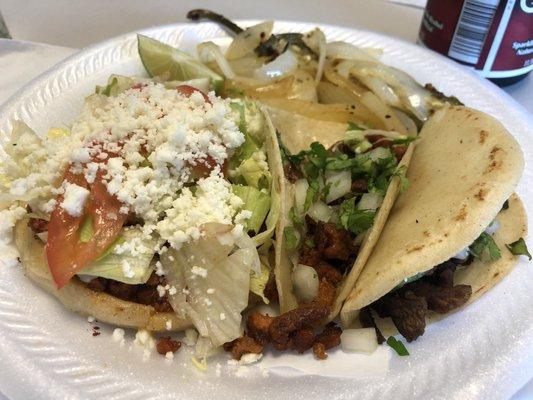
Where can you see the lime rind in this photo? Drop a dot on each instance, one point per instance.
(161, 60)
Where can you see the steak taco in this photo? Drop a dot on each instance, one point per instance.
(452, 235)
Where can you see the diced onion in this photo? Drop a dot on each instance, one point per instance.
(208, 51)
(300, 192)
(493, 227)
(378, 153)
(278, 68)
(305, 281)
(359, 340)
(370, 201)
(348, 51)
(319, 211)
(246, 41)
(339, 184)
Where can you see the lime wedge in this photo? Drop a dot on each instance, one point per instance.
(162, 60)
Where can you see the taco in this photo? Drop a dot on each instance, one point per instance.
(157, 209)
(453, 235)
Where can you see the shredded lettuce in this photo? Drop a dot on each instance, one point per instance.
(258, 283)
(86, 230)
(217, 283)
(256, 201)
(115, 84)
(254, 171)
(132, 265)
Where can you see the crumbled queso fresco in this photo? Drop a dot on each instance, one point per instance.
(146, 143)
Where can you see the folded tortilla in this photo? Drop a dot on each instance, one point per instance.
(297, 133)
(465, 167)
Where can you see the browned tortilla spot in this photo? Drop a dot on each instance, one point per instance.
(482, 136)
(480, 288)
(461, 215)
(416, 248)
(426, 233)
(480, 195)
(496, 274)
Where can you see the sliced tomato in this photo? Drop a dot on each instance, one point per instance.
(65, 254)
(187, 90)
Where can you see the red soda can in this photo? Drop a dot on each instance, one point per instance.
(495, 37)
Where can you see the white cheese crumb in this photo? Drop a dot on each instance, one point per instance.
(127, 270)
(168, 325)
(222, 316)
(169, 355)
(162, 290)
(172, 291)
(159, 268)
(81, 155)
(90, 319)
(199, 271)
(75, 198)
(210, 291)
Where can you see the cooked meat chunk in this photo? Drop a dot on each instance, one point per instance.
(399, 152)
(359, 185)
(271, 290)
(143, 294)
(444, 300)
(303, 340)
(374, 138)
(121, 290)
(330, 337)
(284, 325)
(243, 345)
(386, 143)
(326, 293)
(292, 172)
(258, 327)
(97, 284)
(319, 351)
(333, 242)
(38, 225)
(166, 344)
(309, 256)
(328, 272)
(409, 316)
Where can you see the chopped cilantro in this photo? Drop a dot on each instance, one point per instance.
(311, 195)
(356, 221)
(309, 242)
(519, 248)
(291, 240)
(397, 346)
(354, 127)
(483, 243)
(405, 140)
(295, 217)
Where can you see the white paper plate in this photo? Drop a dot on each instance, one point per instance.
(482, 352)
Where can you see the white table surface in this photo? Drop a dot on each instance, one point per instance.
(66, 25)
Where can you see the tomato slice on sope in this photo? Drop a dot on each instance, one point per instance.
(65, 253)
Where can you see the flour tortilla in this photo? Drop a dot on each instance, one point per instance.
(297, 133)
(464, 168)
